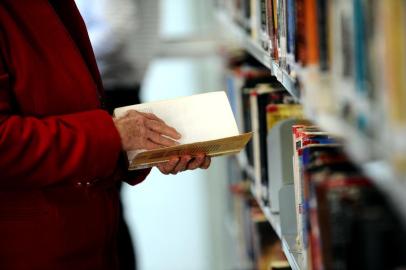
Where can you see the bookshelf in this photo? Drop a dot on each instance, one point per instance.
(372, 153)
(260, 54)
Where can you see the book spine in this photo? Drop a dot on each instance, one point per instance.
(248, 125)
(264, 36)
(300, 36)
(322, 8)
(275, 37)
(256, 143)
(360, 47)
(262, 129)
(270, 26)
(291, 30)
(312, 36)
(282, 39)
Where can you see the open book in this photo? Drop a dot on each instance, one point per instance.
(205, 121)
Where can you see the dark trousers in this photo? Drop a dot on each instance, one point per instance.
(119, 97)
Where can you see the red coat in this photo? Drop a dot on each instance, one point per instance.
(59, 152)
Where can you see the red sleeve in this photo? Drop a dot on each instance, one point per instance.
(38, 152)
(133, 177)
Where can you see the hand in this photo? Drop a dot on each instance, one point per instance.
(185, 162)
(144, 131)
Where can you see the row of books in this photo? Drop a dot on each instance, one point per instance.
(342, 220)
(348, 55)
(257, 240)
(259, 102)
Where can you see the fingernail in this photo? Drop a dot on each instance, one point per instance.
(179, 135)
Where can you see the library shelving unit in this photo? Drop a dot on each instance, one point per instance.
(373, 154)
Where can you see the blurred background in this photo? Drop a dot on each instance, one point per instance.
(176, 222)
(308, 70)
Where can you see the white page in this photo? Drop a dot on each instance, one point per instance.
(197, 118)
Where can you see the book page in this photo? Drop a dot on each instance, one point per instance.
(197, 118)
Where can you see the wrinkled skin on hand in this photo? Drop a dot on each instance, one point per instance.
(144, 131)
(140, 130)
(185, 162)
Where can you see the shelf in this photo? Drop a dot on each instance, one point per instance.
(358, 146)
(285, 79)
(294, 256)
(274, 219)
(249, 170)
(288, 241)
(370, 155)
(260, 54)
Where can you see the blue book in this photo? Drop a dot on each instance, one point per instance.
(291, 25)
(360, 47)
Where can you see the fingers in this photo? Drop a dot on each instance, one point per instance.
(152, 117)
(158, 139)
(168, 167)
(206, 163)
(196, 162)
(155, 123)
(182, 164)
(149, 145)
(162, 129)
(185, 162)
(175, 165)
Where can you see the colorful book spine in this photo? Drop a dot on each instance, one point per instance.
(290, 31)
(311, 32)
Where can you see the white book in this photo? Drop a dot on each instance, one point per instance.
(205, 122)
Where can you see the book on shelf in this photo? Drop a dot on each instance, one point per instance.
(241, 78)
(264, 35)
(347, 216)
(351, 64)
(323, 24)
(300, 35)
(290, 32)
(260, 98)
(312, 55)
(282, 37)
(273, 28)
(255, 19)
(304, 135)
(280, 118)
(205, 121)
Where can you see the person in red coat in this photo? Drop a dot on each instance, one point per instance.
(61, 153)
